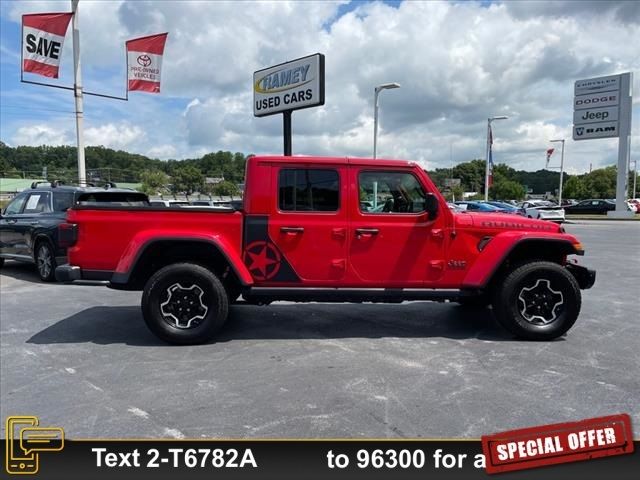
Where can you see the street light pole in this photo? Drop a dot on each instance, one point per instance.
(489, 141)
(561, 169)
(378, 89)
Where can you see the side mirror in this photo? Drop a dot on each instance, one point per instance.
(431, 206)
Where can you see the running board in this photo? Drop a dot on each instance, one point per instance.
(263, 295)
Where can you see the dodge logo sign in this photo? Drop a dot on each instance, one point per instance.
(144, 60)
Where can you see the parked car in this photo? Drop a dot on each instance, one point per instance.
(592, 207)
(29, 224)
(473, 206)
(506, 207)
(168, 203)
(542, 210)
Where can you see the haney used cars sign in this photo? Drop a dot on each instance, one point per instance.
(289, 86)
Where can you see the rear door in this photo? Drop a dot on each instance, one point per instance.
(9, 236)
(308, 227)
(32, 219)
(392, 241)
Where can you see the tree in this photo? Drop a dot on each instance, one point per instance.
(226, 189)
(154, 182)
(575, 188)
(186, 179)
(503, 189)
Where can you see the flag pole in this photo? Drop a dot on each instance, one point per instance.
(77, 86)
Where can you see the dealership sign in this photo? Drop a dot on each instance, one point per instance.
(289, 86)
(596, 107)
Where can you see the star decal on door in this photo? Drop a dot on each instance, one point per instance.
(262, 259)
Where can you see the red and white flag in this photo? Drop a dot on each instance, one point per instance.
(42, 40)
(144, 62)
(549, 153)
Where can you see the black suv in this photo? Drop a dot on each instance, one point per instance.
(29, 223)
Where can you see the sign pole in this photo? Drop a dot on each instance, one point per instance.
(486, 167)
(286, 131)
(561, 174)
(623, 145)
(77, 86)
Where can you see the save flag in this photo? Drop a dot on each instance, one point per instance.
(42, 40)
(144, 62)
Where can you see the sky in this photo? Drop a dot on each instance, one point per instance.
(457, 63)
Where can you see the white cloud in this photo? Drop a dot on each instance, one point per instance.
(40, 134)
(118, 137)
(458, 63)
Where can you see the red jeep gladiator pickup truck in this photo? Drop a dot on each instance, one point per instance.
(330, 230)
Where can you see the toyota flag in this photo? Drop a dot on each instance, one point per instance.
(144, 62)
(42, 40)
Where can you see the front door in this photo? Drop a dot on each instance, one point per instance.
(393, 242)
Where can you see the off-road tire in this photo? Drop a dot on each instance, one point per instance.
(199, 286)
(543, 318)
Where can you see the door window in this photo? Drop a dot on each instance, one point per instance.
(390, 192)
(310, 190)
(16, 205)
(62, 201)
(38, 203)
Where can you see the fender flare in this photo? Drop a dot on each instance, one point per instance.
(499, 248)
(138, 247)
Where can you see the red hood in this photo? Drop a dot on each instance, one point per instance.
(503, 221)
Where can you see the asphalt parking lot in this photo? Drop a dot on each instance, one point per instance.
(81, 357)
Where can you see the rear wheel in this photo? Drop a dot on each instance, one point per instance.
(184, 304)
(45, 261)
(537, 301)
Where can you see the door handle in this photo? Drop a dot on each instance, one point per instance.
(292, 230)
(34, 222)
(366, 231)
(12, 221)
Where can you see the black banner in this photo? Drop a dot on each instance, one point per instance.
(291, 459)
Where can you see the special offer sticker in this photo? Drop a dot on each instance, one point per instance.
(558, 443)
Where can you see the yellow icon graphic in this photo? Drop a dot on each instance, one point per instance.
(25, 441)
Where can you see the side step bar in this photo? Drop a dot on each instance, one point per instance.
(261, 295)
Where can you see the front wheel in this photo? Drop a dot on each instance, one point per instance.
(537, 301)
(45, 262)
(184, 304)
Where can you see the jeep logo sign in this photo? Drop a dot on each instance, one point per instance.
(594, 115)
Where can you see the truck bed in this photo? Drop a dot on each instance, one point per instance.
(122, 231)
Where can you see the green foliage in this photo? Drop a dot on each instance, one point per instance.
(185, 179)
(154, 182)
(105, 164)
(503, 189)
(226, 189)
